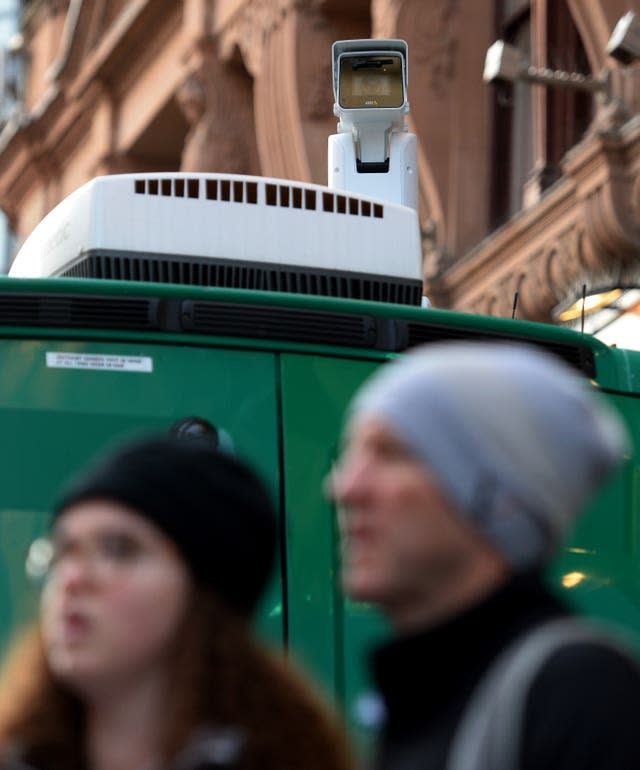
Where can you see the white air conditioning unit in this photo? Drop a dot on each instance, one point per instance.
(243, 232)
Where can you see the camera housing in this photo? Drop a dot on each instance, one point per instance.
(503, 62)
(624, 43)
(373, 153)
(370, 80)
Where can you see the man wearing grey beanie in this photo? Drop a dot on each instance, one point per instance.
(463, 467)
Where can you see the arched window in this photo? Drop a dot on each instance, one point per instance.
(534, 126)
(569, 112)
(10, 11)
(513, 118)
(7, 243)
(9, 18)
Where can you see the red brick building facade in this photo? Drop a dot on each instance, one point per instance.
(525, 188)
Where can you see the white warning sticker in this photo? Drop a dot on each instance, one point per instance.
(58, 360)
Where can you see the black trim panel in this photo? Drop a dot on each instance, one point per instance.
(267, 322)
(255, 276)
(79, 311)
(579, 356)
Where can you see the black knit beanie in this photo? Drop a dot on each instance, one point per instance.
(212, 506)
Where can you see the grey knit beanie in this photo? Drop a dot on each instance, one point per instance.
(515, 437)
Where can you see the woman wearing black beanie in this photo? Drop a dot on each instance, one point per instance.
(143, 658)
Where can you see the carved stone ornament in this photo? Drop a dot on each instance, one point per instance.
(585, 230)
(249, 29)
(213, 89)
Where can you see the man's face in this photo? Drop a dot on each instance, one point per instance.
(403, 542)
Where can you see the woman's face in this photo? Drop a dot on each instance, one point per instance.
(115, 598)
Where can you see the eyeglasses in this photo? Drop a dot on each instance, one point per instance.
(105, 552)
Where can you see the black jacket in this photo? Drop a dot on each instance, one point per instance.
(582, 712)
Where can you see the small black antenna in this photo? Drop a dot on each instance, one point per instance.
(584, 298)
(515, 305)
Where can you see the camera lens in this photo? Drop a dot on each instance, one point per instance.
(371, 82)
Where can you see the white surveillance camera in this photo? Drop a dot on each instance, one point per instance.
(372, 147)
(624, 43)
(503, 62)
(370, 75)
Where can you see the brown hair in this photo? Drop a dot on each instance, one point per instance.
(222, 678)
(39, 718)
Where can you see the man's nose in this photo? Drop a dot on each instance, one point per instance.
(348, 480)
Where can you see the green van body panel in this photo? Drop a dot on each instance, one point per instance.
(279, 401)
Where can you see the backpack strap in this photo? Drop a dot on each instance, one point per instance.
(489, 733)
